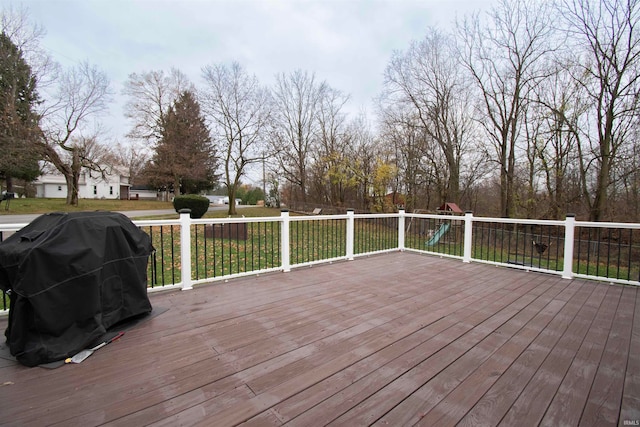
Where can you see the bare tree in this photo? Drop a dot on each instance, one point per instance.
(363, 151)
(505, 58)
(237, 107)
(560, 105)
(630, 182)
(150, 95)
(16, 24)
(132, 157)
(413, 155)
(297, 101)
(331, 163)
(82, 94)
(605, 33)
(427, 77)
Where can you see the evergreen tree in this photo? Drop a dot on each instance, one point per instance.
(19, 129)
(184, 159)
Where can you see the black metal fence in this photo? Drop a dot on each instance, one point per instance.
(526, 245)
(375, 233)
(442, 234)
(611, 252)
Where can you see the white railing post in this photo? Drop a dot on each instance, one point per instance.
(569, 235)
(401, 221)
(468, 230)
(284, 241)
(350, 234)
(185, 248)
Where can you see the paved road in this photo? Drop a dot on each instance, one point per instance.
(25, 219)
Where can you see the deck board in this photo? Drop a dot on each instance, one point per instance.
(515, 337)
(555, 352)
(420, 404)
(631, 396)
(603, 404)
(393, 339)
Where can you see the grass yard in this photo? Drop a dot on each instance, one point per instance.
(309, 241)
(245, 211)
(41, 205)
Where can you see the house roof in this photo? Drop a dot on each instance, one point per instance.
(450, 207)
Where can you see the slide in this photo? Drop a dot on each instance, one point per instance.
(441, 231)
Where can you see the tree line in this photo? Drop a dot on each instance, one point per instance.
(529, 109)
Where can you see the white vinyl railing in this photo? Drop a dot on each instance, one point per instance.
(219, 249)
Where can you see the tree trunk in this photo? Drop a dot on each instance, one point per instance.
(73, 178)
(604, 174)
(600, 200)
(504, 192)
(231, 191)
(453, 192)
(72, 188)
(176, 186)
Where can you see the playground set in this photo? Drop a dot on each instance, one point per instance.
(436, 230)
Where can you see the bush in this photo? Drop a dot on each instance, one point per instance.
(199, 205)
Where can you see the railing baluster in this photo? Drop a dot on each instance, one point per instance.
(284, 241)
(629, 256)
(196, 246)
(350, 234)
(569, 238)
(185, 248)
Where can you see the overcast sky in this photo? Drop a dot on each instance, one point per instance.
(348, 43)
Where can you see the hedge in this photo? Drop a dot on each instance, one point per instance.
(199, 205)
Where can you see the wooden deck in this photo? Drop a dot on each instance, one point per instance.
(396, 339)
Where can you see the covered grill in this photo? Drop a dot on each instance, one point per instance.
(71, 277)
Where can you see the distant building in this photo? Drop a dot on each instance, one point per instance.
(92, 185)
(221, 200)
(216, 200)
(141, 192)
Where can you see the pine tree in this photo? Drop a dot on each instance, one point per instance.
(19, 128)
(184, 158)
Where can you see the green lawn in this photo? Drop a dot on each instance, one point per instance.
(309, 241)
(246, 211)
(39, 205)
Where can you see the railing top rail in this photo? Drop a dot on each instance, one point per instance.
(316, 217)
(236, 220)
(628, 225)
(154, 222)
(520, 221)
(436, 216)
(631, 225)
(377, 215)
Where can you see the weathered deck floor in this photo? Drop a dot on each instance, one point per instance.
(396, 339)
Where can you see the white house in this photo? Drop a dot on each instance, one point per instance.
(92, 185)
(221, 200)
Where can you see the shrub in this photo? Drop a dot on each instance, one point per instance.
(199, 205)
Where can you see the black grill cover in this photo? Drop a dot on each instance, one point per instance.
(70, 277)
